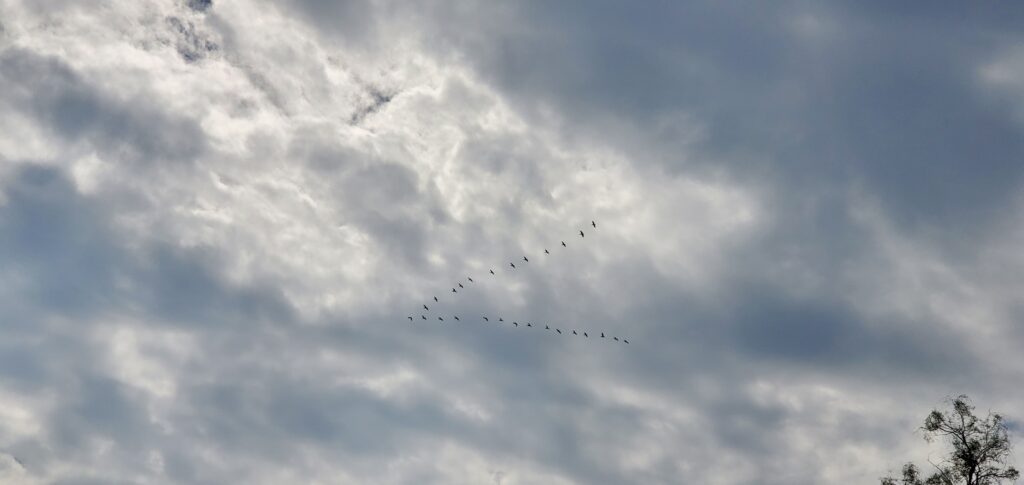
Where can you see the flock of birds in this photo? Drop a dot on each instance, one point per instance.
(514, 323)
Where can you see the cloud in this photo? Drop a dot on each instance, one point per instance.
(216, 217)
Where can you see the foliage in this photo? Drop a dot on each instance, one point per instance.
(981, 449)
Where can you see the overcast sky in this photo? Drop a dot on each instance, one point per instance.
(216, 217)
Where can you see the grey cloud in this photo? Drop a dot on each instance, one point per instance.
(51, 92)
(724, 378)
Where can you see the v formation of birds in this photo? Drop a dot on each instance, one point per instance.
(515, 323)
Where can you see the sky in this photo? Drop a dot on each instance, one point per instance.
(217, 216)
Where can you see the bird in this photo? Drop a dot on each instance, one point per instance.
(616, 339)
(501, 319)
(515, 323)
(486, 320)
(546, 251)
(624, 340)
(410, 318)
(470, 279)
(423, 317)
(528, 324)
(425, 308)
(585, 335)
(460, 286)
(602, 334)
(435, 298)
(581, 234)
(492, 271)
(457, 318)
(441, 319)
(559, 331)
(563, 244)
(592, 223)
(547, 327)
(574, 332)
(453, 290)
(524, 259)
(512, 265)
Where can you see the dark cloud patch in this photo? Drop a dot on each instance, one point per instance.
(200, 5)
(378, 100)
(134, 129)
(192, 43)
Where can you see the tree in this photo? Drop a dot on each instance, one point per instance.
(981, 448)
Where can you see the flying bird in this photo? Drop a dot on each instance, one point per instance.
(486, 320)
(453, 290)
(524, 259)
(492, 271)
(512, 265)
(559, 331)
(470, 279)
(616, 339)
(547, 327)
(574, 332)
(423, 317)
(546, 251)
(501, 319)
(460, 286)
(410, 318)
(592, 223)
(528, 324)
(425, 308)
(581, 234)
(435, 298)
(457, 318)
(441, 319)
(585, 335)
(602, 334)
(624, 340)
(515, 323)
(563, 244)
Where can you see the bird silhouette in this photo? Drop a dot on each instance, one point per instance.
(581, 234)
(460, 285)
(470, 279)
(492, 271)
(574, 332)
(524, 259)
(423, 317)
(546, 251)
(441, 319)
(559, 331)
(486, 320)
(515, 323)
(592, 223)
(602, 334)
(425, 308)
(410, 318)
(624, 340)
(616, 339)
(435, 298)
(528, 324)
(563, 244)
(501, 319)
(547, 327)
(512, 265)
(453, 290)
(457, 318)
(585, 335)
